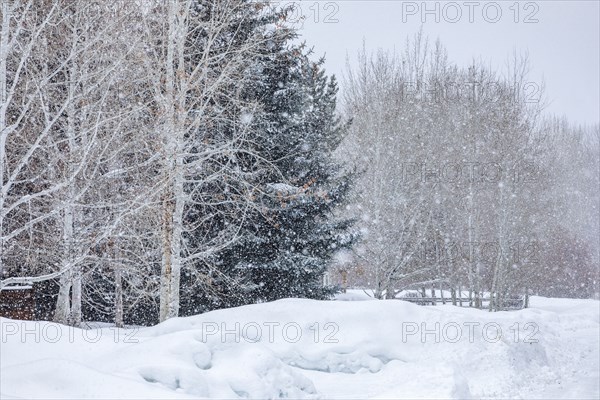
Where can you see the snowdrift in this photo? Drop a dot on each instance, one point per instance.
(315, 349)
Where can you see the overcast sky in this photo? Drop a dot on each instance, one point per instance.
(561, 37)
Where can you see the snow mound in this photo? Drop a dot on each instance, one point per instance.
(315, 349)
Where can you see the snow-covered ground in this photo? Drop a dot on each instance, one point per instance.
(316, 349)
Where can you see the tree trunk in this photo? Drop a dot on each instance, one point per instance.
(63, 300)
(167, 261)
(173, 201)
(69, 218)
(118, 297)
(389, 290)
(3, 130)
(76, 315)
(442, 294)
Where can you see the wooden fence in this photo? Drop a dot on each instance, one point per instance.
(507, 304)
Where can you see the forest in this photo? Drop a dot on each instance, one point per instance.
(168, 158)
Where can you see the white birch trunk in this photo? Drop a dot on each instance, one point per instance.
(3, 105)
(173, 201)
(119, 311)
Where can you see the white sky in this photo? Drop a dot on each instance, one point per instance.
(563, 44)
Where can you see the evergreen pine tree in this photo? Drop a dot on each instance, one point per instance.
(291, 237)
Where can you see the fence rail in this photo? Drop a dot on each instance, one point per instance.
(507, 304)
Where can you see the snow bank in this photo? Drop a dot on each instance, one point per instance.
(315, 349)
